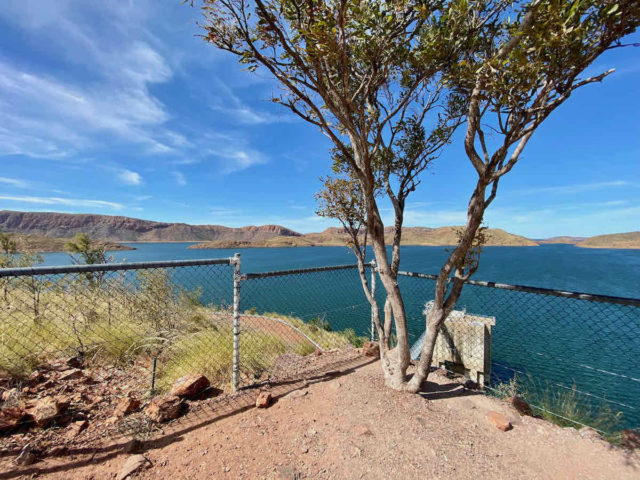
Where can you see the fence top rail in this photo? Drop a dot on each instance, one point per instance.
(281, 273)
(109, 267)
(592, 297)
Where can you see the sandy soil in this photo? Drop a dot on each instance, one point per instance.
(345, 424)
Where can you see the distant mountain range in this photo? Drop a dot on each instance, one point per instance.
(114, 229)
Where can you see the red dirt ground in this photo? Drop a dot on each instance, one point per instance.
(347, 425)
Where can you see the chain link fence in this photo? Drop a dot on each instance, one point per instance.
(101, 342)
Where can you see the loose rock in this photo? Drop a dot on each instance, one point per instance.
(26, 457)
(500, 421)
(71, 374)
(190, 385)
(126, 405)
(521, 406)
(132, 465)
(47, 409)
(371, 349)
(9, 418)
(163, 409)
(263, 400)
(76, 428)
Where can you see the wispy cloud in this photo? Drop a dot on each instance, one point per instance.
(129, 178)
(232, 160)
(179, 178)
(575, 188)
(69, 202)
(15, 182)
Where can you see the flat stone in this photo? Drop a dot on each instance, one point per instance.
(190, 385)
(163, 409)
(500, 421)
(132, 465)
(263, 400)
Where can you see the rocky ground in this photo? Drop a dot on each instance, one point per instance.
(339, 424)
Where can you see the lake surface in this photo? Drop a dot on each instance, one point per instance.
(553, 343)
(565, 267)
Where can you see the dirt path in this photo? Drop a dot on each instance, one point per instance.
(348, 426)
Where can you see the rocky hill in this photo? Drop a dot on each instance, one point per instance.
(615, 240)
(40, 243)
(126, 229)
(411, 236)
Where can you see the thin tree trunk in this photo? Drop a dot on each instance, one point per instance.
(443, 304)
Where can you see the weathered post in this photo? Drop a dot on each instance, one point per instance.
(236, 320)
(373, 294)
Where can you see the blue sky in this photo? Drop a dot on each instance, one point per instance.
(118, 108)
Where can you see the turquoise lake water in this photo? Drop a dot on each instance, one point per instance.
(558, 342)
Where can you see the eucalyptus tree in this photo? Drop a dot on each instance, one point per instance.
(371, 75)
(367, 77)
(528, 58)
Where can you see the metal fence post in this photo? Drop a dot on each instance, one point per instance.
(236, 320)
(373, 294)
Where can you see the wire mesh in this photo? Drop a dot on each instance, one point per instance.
(98, 342)
(574, 355)
(291, 314)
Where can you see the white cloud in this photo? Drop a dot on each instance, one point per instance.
(129, 178)
(179, 178)
(576, 188)
(232, 160)
(15, 182)
(69, 202)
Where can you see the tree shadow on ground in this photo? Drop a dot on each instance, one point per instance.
(200, 415)
(440, 391)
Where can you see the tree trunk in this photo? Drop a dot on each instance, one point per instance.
(443, 304)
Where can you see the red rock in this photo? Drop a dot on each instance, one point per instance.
(371, 349)
(263, 400)
(630, 439)
(163, 409)
(500, 421)
(76, 428)
(521, 406)
(47, 409)
(9, 418)
(71, 374)
(190, 385)
(127, 405)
